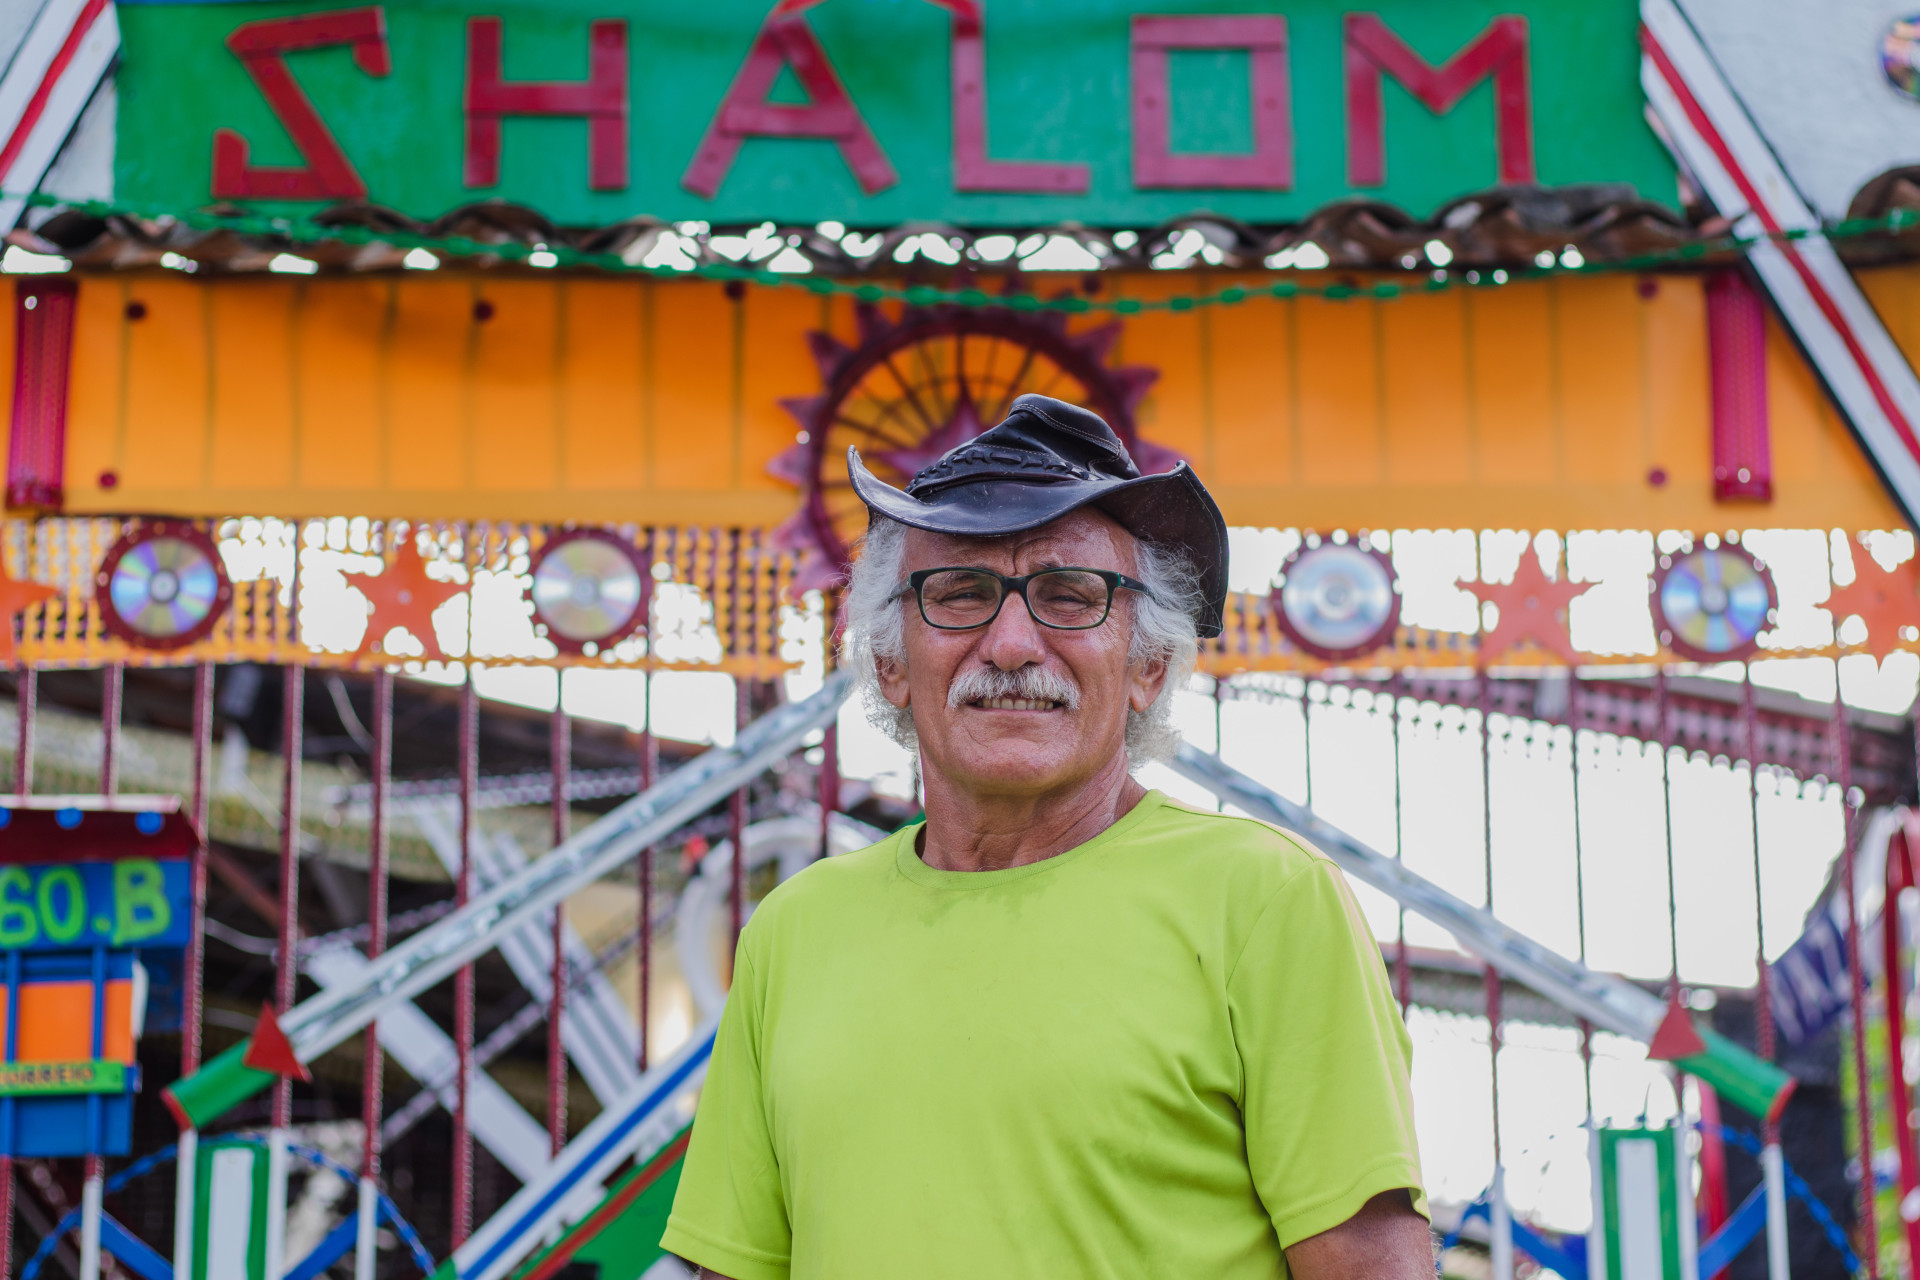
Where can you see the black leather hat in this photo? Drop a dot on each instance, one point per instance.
(1048, 458)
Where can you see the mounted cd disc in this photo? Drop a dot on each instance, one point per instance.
(587, 589)
(1711, 605)
(1337, 601)
(162, 586)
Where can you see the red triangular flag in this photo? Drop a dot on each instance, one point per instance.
(1677, 1037)
(269, 1050)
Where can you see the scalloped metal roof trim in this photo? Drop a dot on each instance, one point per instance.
(1501, 227)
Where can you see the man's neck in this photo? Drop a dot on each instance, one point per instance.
(967, 831)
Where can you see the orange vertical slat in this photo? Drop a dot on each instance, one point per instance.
(426, 445)
(252, 418)
(512, 389)
(778, 365)
(167, 390)
(1679, 390)
(340, 333)
(1253, 397)
(1175, 412)
(8, 316)
(1340, 410)
(1518, 435)
(693, 360)
(1424, 390)
(602, 396)
(1600, 382)
(96, 389)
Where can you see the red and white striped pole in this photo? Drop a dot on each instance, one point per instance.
(366, 1227)
(463, 978)
(560, 753)
(649, 773)
(193, 968)
(286, 959)
(93, 1186)
(26, 689)
(1863, 1084)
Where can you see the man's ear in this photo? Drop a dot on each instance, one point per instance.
(1146, 680)
(893, 680)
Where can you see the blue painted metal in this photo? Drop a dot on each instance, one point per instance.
(389, 1212)
(338, 1243)
(1735, 1234)
(1568, 1257)
(132, 1250)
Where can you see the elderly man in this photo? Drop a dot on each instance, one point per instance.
(1066, 1026)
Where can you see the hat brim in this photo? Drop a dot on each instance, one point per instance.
(1172, 509)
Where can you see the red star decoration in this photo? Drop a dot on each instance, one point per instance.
(1676, 1037)
(16, 596)
(403, 596)
(1885, 600)
(1532, 607)
(268, 1049)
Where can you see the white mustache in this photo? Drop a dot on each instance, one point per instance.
(1038, 684)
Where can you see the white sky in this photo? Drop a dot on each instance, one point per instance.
(1622, 829)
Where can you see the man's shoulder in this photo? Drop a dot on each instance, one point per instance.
(828, 882)
(1232, 845)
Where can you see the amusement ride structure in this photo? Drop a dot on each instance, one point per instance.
(390, 431)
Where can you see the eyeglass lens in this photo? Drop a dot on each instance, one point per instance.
(1071, 599)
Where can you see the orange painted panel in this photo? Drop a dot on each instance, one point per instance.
(1254, 440)
(428, 401)
(56, 1022)
(775, 367)
(251, 418)
(697, 408)
(604, 368)
(1426, 412)
(97, 389)
(1601, 359)
(338, 388)
(1529, 406)
(1811, 444)
(1795, 406)
(1679, 389)
(1342, 434)
(167, 388)
(9, 309)
(515, 441)
(1892, 291)
(1177, 413)
(1518, 436)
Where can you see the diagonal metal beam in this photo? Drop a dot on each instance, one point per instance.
(430, 956)
(1610, 1003)
(1710, 133)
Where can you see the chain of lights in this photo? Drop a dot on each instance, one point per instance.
(296, 231)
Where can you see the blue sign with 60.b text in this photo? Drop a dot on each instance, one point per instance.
(131, 902)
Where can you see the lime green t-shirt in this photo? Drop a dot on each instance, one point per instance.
(1169, 1052)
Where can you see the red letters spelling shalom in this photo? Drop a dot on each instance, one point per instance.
(262, 48)
(1500, 51)
(601, 98)
(1270, 167)
(785, 40)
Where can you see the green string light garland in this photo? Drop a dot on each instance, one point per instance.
(303, 231)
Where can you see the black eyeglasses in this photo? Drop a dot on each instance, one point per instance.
(1069, 599)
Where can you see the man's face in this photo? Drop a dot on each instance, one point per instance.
(1026, 750)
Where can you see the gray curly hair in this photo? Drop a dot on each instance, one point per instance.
(1164, 630)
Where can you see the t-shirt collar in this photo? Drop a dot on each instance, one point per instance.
(909, 863)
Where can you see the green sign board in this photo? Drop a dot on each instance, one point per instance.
(132, 902)
(877, 112)
(36, 1079)
(1639, 1182)
(231, 1195)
